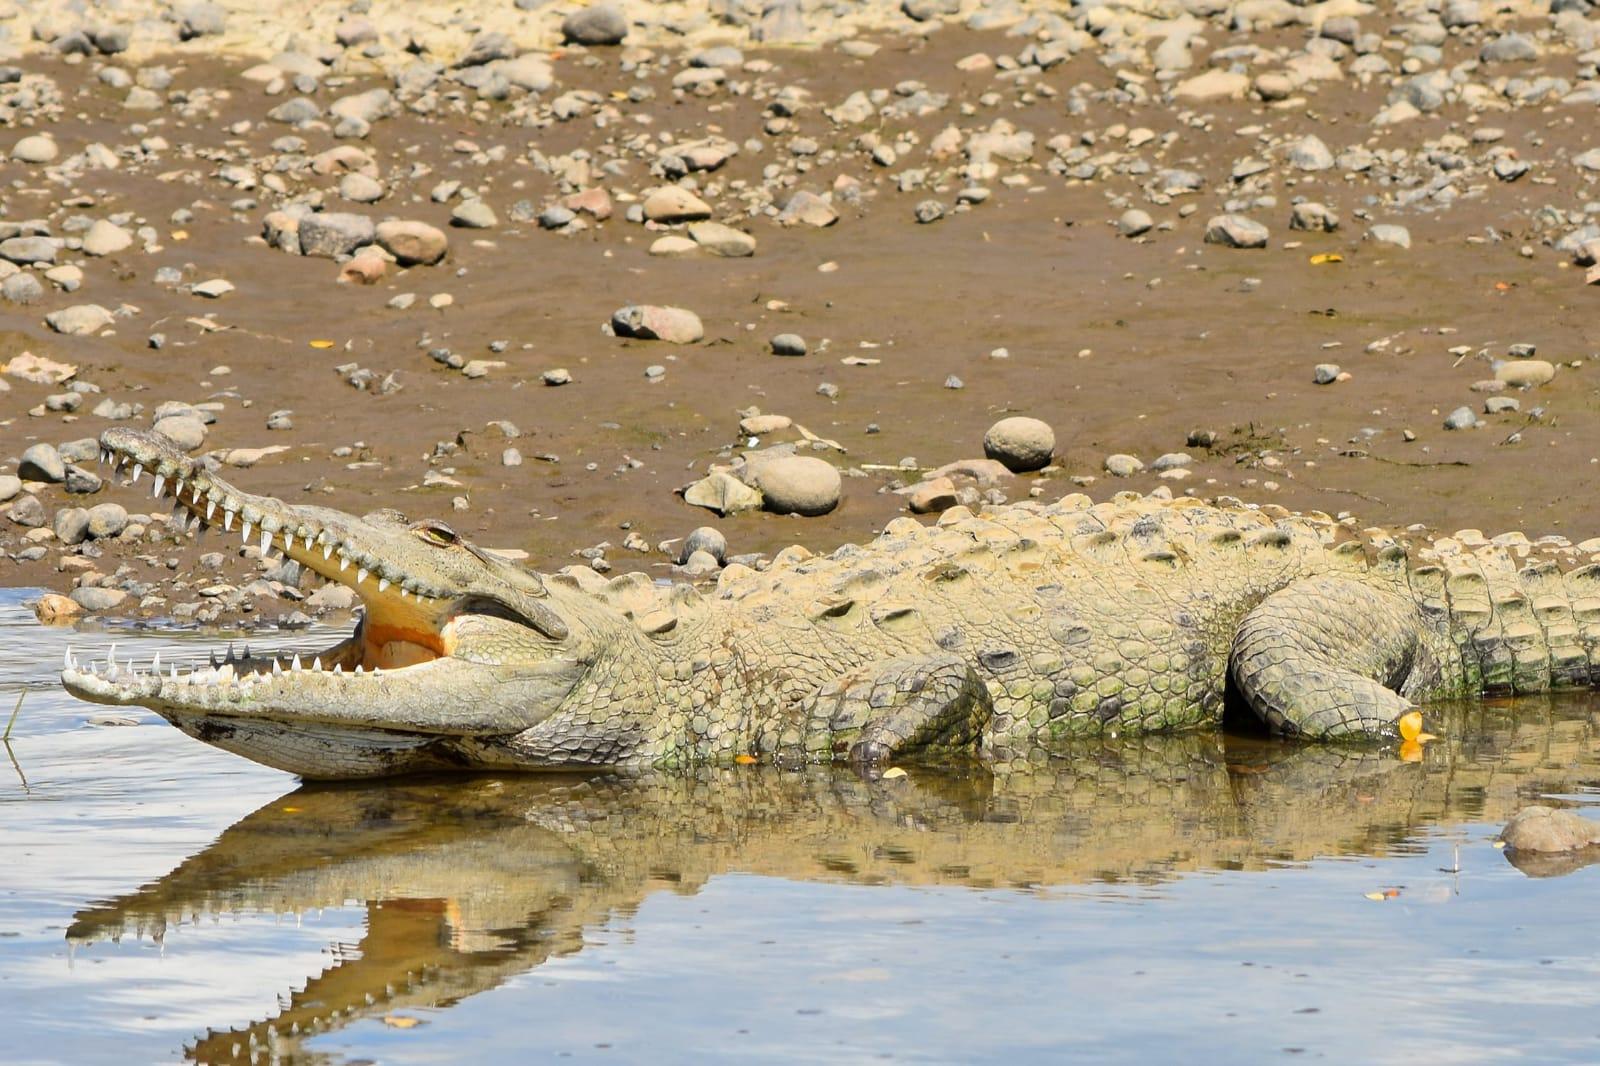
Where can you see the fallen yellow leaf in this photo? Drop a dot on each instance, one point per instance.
(322, 344)
(893, 772)
(1410, 725)
(1376, 897)
(401, 1021)
(1326, 257)
(291, 810)
(745, 760)
(180, 234)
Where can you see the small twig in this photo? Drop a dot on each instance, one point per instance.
(1407, 462)
(14, 712)
(16, 765)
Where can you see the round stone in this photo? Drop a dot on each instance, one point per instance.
(708, 539)
(789, 344)
(1021, 444)
(798, 484)
(36, 148)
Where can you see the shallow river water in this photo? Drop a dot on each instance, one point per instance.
(1197, 899)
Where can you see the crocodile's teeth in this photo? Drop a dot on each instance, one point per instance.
(383, 584)
(138, 468)
(295, 665)
(159, 484)
(211, 509)
(244, 537)
(227, 519)
(361, 574)
(177, 488)
(344, 563)
(316, 664)
(327, 550)
(276, 669)
(266, 541)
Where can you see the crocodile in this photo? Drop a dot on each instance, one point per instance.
(985, 633)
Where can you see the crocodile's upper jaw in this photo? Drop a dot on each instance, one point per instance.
(454, 643)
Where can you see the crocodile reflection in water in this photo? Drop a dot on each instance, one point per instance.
(472, 881)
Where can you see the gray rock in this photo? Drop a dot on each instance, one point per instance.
(91, 598)
(27, 250)
(35, 148)
(1461, 418)
(10, 485)
(1548, 829)
(41, 462)
(81, 482)
(473, 214)
(1510, 48)
(1387, 233)
(1236, 231)
(1020, 443)
(71, 525)
(781, 20)
(331, 234)
(79, 320)
(1313, 217)
(925, 10)
(797, 484)
(723, 493)
(556, 216)
(1309, 153)
(107, 520)
(928, 211)
(789, 344)
(1135, 223)
(1121, 465)
(722, 240)
(295, 110)
(106, 238)
(28, 512)
(809, 209)
(21, 289)
(186, 431)
(706, 539)
(597, 24)
(1325, 373)
(202, 19)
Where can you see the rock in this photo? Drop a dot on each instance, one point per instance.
(722, 240)
(1214, 84)
(928, 211)
(1549, 829)
(98, 599)
(1135, 223)
(213, 288)
(106, 520)
(1020, 444)
(558, 215)
(360, 189)
(366, 267)
(28, 512)
(1461, 418)
(41, 462)
(106, 238)
(558, 376)
(201, 19)
(333, 597)
(797, 484)
(1236, 231)
(707, 539)
(332, 234)
(21, 289)
(1391, 234)
(186, 431)
(1274, 86)
(1525, 373)
(596, 203)
(1313, 217)
(789, 344)
(473, 214)
(670, 203)
(36, 148)
(82, 482)
(809, 209)
(530, 72)
(79, 320)
(597, 24)
(1325, 373)
(926, 10)
(723, 493)
(71, 525)
(932, 496)
(1120, 465)
(54, 609)
(675, 325)
(1309, 153)
(673, 245)
(412, 242)
(761, 425)
(26, 250)
(1510, 48)
(10, 485)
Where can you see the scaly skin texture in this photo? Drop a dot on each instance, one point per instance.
(470, 882)
(986, 632)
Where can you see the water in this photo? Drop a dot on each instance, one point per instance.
(1197, 898)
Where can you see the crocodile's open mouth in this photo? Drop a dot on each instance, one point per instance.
(415, 622)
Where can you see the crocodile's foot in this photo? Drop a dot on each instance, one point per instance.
(398, 694)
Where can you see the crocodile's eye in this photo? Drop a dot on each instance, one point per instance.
(437, 533)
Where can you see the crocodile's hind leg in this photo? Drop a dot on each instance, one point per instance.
(900, 707)
(1327, 657)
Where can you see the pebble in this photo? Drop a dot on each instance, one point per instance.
(91, 598)
(1525, 373)
(412, 243)
(809, 209)
(213, 289)
(79, 320)
(333, 234)
(1549, 829)
(1236, 231)
(10, 485)
(671, 203)
(722, 240)
(932, 496)
(27, 511)
(789, 344)
(1461, 418)
(1121, 465)
(106, 520)
(1135, 223)
(1388, 233)
(597, 24)
(723, 493)
(1021, 444)
(558, 376)
(675, 325)
(1326, 373)
(106, 238)
(1310, 153)
(41, 462)
(797, 484)
(473, 214)
(35, 148)
(707, 539)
